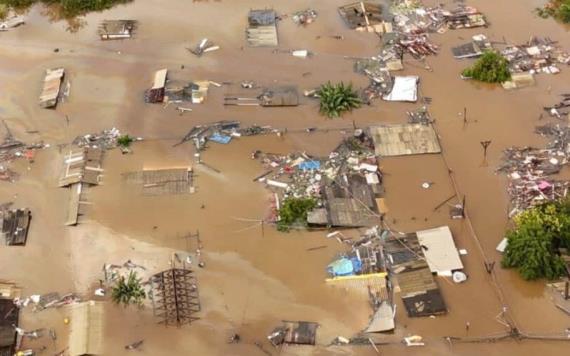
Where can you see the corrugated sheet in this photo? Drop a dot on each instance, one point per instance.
(406, 139)
(86, 335)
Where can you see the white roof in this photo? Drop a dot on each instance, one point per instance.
(404, 89)
(159, 79)
(440, 252)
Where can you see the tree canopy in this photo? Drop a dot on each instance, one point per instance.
(491, 67)
(534, 241)
(294, 212)
(558, 9)
(69, 8)
(337, 99)
(128, 290)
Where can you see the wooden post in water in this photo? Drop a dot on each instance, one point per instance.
(566, 290)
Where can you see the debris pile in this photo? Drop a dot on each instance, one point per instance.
(345, 185)
(106, 139)
(560, 110)
(304, 17)
(117, 29)
(204, 46)
(529, 169)
(538, 55)
(222, 132)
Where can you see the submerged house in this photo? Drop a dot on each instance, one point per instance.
(117, 29)
(86, 335)
(51, 88)
(15, 225)
(262, 28)
(294, 332)
(275, 96)
(414, 280)
(364, 16)
(10, 315)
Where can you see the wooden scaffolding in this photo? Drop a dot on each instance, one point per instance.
(175, 296)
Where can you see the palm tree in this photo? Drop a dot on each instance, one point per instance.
(128, 290)
(337, 99)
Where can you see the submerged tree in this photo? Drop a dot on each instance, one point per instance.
(294, 212)
(337, 99)
(534, 242)
(558, 9)
(125, 141)
(490, 68)
(128, 290)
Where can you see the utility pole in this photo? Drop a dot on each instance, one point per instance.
(485, 145)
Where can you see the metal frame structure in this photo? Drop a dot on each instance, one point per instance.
(175, 296)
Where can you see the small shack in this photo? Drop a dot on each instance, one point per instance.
(156, 93)
(117, 29)
(11, 22)
(15, 225)
(86, 335)
(440, 251)
(294, 332)
(51, 88)
(405, 139)
(364, 16)
(262, 28)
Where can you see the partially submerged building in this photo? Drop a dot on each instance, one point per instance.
(117, 29)
(51, 88)
(364, 16)
(405, 139)
(162, 181)
(9, 318)
(82, 166)
(262, 28)
(440, 251)
(86, 323)
(274, 96)
(15, 225)
(414, 281)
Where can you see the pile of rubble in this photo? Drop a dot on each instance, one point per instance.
(529, 170)
(222, 132)
(304, 17)
(302, 176)
(106, 139)
(538, 55)
(560, 110)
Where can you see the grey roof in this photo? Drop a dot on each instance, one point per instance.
(405, 139)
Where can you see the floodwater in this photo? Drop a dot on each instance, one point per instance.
(254, 276)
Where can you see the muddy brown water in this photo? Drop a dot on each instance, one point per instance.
(254, 279)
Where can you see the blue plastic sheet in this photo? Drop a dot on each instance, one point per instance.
(309, 165)
(223, 139)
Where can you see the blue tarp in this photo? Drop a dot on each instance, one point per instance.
(223, 139)
(309, 165)
(345, 267)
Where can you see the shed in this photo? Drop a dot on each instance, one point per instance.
(404, 139)
(51, 87)
(86, 335)
(262, 28)
(363, 16)
(440, 251)
(15, 225)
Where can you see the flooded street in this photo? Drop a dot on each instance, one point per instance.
(254, 276)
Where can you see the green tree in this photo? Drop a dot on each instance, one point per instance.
(128, 290)
(491, 67)
(125, 141)
(534, 242)
(294, 212)
(337, 99)
(69, 8)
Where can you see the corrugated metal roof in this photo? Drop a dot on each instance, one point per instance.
(440, 251)
(51, 87)
(406, 139)
(159, 79)
(86, 333)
